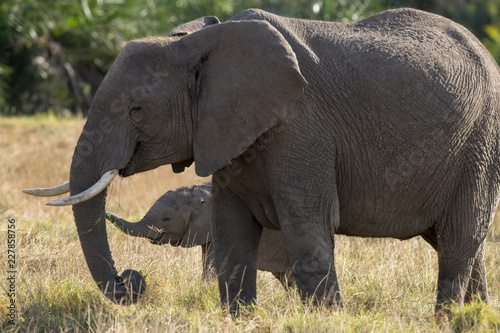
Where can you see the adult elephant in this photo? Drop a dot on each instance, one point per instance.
(387, 127)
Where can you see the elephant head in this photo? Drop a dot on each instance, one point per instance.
(204, 97)
(179, 217)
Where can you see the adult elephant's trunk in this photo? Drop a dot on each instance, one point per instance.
(91, 226)
(138, 229)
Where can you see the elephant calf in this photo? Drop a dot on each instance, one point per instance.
(182, 217)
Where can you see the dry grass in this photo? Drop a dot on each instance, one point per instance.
(386, 285)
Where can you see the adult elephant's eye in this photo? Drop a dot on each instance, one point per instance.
(165, 219)
(136, 105)
(136, 113)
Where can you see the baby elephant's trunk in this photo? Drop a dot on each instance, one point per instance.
(138, 229)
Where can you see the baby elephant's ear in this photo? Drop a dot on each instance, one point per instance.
(190, 27)
(198, 230)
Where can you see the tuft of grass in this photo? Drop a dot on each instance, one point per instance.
(475, 317)
(386, 285)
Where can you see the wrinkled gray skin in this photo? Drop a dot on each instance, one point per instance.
(181, 217)
(388, 127)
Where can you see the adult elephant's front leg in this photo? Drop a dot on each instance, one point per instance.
(308, 229)
(236, 237)
(312, 257)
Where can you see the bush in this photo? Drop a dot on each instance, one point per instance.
(54, 55)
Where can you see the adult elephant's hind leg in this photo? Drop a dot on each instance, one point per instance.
(477, 283)
(460, 245)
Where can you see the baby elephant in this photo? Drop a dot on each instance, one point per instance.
(182, 217)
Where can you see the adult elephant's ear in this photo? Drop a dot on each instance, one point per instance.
(193, 26)
(247, 76)
(181, 31)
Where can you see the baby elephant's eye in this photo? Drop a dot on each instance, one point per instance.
(165, 219)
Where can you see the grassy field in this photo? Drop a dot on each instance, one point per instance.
(386, 285)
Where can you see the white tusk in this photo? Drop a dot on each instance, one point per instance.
(97, 188)
(48, 192)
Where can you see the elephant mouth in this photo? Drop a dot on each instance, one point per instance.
(131, 168)
(157, 240)
(180, 166)
(160, 240)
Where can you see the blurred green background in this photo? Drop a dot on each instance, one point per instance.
(54, 54)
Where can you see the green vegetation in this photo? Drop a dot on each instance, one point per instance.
(386, 285)
(54, 54)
